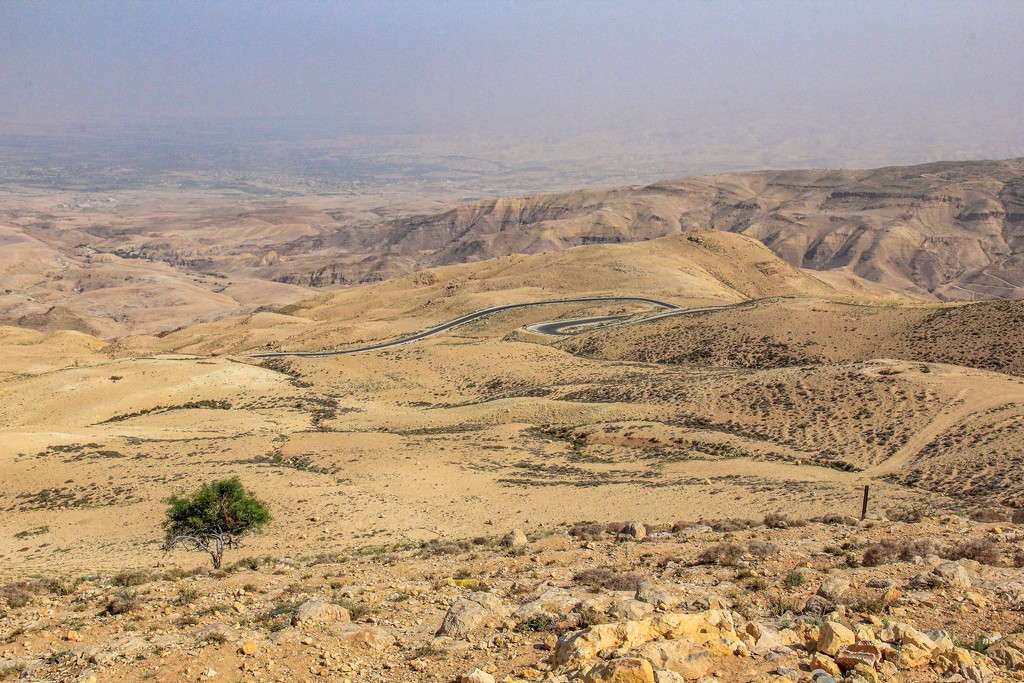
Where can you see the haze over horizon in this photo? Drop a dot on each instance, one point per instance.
(700, 86)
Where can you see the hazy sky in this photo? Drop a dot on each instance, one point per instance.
(543, 67)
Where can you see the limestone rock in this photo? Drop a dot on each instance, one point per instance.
(681, 655)
(320, 612)
(661, 597)
(704, 628)
(636, 530)
(833, 636)
(630, 610)
(665, 676)
(470, 613)
(954, 575)
(514, 539)
(366, 637)
(623, 670)
(832, 587)
(477, 676)
(1008, 651)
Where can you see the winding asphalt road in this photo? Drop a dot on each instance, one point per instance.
(485, 312)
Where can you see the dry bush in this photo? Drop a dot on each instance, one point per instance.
(990, 515)
(1018, 559)
(779, 520)
(919, 547)
(1018, 517)
(588, 531)
(615, 527)
(910, 515)
(722, 554)
(763, 549)
(981, 550)
(865, 601)
(892, 550)
(608, 579)
(681, 526)
(131, 577)
(16, 594)
(725, 525)
(836, 519)
(123, 602)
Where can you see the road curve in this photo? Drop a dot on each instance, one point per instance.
(444, 327)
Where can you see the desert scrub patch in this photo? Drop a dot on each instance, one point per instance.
(29, 533)
(131, 577)
(122, 602)
(606, 578)
(990, 514)
(795, 579)
(778, 520)
(722, 554)
(981, 550)
(535, 624)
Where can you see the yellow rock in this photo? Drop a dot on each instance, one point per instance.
(826, 663)
(249, 648)
(833, 636)
(625, 670)
(73, 635)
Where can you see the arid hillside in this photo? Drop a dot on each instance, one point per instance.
(148, 261)
(951, 230)
(785, 332)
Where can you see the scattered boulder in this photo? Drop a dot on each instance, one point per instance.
(477, 676)
(832, 587)
(635, 530)
(954, 575)
(366, 637)
(713, 629)
(681, 655)
(470, 613)
(1008, 651)
(320, 612)
(833, 636)
(658, 596)
(514, 539)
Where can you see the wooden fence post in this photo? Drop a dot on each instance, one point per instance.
(864, 507)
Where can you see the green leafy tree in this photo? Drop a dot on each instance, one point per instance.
(213, 518)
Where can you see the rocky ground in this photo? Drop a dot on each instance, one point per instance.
(907, 598)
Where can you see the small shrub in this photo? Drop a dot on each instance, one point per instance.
(781, 605)
(757, 584)
(911, 515)
(990, 515)
(187, 595)
(982, 550)
(763, 549)
(587, 531)
(357, 610)
(836, 519)
(131, 577)
(722, 554)
(868, 602)
(122, 602)
(16, 594)
(536, 623)
(795, 578)
(608, 579)
(729, 525)
(778, 520)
